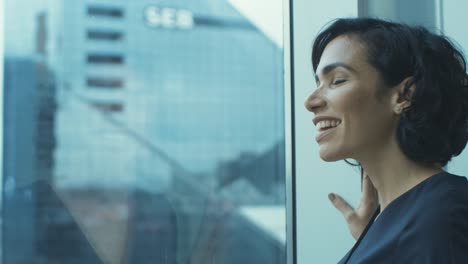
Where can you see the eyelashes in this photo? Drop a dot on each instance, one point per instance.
(335, 82)
(338, 81)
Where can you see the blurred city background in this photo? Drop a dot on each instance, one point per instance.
(143, 132)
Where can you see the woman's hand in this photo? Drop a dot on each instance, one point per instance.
(358, 218)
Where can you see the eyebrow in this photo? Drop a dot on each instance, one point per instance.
(331, 67)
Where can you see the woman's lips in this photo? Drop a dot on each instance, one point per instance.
(324, 133)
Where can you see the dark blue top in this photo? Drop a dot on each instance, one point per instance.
(427, 224)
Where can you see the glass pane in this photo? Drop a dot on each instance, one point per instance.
(416, 12)
(143, 132)
(452, 14)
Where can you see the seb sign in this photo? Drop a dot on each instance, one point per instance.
(170, 18)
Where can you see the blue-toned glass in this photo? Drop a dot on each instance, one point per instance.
(141, 132)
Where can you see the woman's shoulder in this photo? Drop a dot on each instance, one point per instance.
(433, 207)
(437, 229)
(441, 201)
(445, 189)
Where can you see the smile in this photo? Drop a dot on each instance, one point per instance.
(324, 128)
(327, 124)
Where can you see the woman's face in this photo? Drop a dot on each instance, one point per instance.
(351, 122)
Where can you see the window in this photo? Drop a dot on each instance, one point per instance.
(104, 35)
(103, 11)
(100, 82)
(157, 140)
(95, 58)
(108, 107)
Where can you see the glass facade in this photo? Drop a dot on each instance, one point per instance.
(142, 132)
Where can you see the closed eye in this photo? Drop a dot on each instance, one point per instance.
(338, 81)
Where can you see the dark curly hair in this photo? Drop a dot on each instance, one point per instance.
(434, 128)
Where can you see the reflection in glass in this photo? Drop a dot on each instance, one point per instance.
(135, 142)
(416, 12)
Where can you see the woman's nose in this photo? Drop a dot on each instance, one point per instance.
(314, 102)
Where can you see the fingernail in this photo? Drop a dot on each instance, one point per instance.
(331, 196)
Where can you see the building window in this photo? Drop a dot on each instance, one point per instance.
(105, 58)
(178, 140)
(104, 82)
(105, 11)
(106, 35)
(108, 107)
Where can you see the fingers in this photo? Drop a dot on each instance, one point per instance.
(345, 209)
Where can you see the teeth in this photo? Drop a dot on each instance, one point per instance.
(327, 124)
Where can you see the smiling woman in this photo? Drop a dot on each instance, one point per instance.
(395, 98)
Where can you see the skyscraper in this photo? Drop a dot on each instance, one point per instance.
(175, 84)
(167, 118)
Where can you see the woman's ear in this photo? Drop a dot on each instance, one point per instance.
(403, 93)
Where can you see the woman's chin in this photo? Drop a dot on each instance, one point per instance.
(329, 156)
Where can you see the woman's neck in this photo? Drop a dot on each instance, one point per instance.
(393, 174)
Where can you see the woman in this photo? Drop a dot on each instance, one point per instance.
(395, 98)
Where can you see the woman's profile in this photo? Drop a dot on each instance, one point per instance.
(394, 98)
